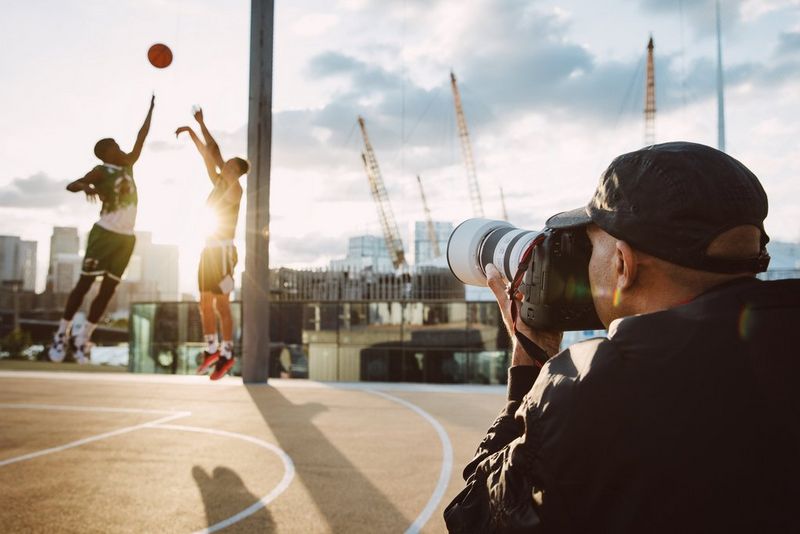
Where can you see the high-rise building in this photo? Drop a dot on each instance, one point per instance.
(27, 264)
(157, 267)
(65, 270)
(424, 249)
(18, 261)
(63, 241)
(365, 251)
(9, 245)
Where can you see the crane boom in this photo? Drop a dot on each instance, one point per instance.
(394, 244)
(432, 237)
(466, 148)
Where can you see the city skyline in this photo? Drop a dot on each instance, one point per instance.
(549, 100)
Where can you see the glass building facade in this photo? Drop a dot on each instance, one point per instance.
(397, 341)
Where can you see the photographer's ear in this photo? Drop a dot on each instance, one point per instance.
(626, 265)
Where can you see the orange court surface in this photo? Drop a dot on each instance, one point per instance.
(118, 452)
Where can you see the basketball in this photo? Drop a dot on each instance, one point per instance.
(160, 55)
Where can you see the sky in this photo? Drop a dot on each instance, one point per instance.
(552, 91)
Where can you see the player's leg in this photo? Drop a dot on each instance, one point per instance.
(205, 280)
(223, 305)
(111, 252)
(225, 362)
(98, 307)
(58, 349)
(209, 320)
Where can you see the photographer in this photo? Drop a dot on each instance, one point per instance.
(686, 417)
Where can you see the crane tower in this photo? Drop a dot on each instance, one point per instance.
(390, 232)
(466, 148)
(432, 237)
(650, 99)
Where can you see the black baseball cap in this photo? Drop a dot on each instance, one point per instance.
(672, 200)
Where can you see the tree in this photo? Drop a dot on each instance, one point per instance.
(15, 342)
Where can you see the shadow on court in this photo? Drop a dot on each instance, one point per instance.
(224, 495)
(348, 500)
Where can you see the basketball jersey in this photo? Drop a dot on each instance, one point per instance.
(227, 212)
(117, 190)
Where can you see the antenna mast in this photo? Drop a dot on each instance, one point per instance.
(432, 237)
(650, 98)
(390, 232)
(503, 205)
(466, 148)
(720, 86)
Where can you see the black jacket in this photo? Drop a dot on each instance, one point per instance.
(685, 420)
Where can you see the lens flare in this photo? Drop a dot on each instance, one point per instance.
(745, 323)
(617, 297)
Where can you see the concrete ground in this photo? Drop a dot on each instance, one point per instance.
(116, 452)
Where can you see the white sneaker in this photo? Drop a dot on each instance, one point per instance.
(59, 348)
(83, 351)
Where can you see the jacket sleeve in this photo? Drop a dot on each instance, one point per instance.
(500, 482)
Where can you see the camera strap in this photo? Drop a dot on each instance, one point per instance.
(536, 353)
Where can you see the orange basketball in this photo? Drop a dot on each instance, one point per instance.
(160, 56)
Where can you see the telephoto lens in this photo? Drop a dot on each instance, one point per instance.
(477, 242)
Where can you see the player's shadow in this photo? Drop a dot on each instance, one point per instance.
(346, 498)
(225, 495)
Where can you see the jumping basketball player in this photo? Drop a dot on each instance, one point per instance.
(219, 257)
(111, 239)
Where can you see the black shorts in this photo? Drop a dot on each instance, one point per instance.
(107, 253)
(215, 264)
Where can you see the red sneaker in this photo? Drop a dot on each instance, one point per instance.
(221, 368)
(208, 361)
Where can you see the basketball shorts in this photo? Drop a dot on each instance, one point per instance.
(216, 269)
(107, 253)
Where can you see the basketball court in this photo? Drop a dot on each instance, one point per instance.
(114, 452)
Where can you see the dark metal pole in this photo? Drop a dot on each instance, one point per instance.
(255, 294)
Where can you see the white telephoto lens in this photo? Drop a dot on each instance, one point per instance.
(476, 242)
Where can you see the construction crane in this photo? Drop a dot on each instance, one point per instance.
(432, 237)
(390, 232)
(650, 98)
(466, 148)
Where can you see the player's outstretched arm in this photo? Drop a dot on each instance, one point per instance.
(143, 131)
(211, 167)
(211, 143)
(86, 184)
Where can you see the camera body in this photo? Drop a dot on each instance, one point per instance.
(555, 285)
(556, 294)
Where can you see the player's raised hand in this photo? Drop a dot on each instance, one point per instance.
(181, 130)
(91, 193)
(198, 114)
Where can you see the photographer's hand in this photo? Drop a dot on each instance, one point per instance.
(549, 341)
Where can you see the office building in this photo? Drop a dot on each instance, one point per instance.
(424, 249)
(365, 252)
(18, 261)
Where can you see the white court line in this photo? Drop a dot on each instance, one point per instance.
(279, 383)
(288, 472)
(447, 462)
(288, 464)
(90, 439)
(79, 408)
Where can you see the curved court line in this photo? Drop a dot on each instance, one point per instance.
(79, 408)
(90, 439)
(447, 461)
(288, 472)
